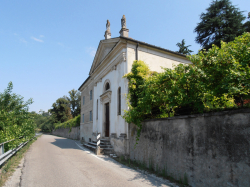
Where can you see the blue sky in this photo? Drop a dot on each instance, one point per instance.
(47, 47)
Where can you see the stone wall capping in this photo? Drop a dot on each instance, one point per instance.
(123, 135)
(113, 135)
(221, 113)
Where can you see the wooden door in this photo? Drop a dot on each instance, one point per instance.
(107, 120)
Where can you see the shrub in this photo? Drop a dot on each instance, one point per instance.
(74, 122)
(218, 79)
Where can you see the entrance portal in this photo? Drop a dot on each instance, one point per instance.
(107, 120)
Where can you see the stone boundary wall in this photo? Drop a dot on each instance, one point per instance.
(65, 132)
(210, 149)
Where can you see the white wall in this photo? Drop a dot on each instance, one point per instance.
(153, 58)
(117, 123)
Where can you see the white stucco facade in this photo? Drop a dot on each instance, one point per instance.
(114, 59)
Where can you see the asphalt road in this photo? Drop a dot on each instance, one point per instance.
(54, 161)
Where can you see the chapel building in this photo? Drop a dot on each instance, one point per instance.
(103, 93)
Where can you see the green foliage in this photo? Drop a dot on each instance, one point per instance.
(185, 179)
(226, 70)
(222, 21)
(74, 102)
(74, 122)
(60, 110)
(137, 77)
(44, 121)
(184, 49)
(218, 79)
(15, 120)
(247, 24)
(139, 72)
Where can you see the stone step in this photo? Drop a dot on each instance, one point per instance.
(105, 143)
(105, 146)
(89, 146)
(92, 143)
(105, 140)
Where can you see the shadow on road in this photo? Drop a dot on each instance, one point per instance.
(64, 143)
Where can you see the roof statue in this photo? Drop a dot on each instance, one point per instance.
(123, 22)
(107, 33)
(124, 30)
(108, 26)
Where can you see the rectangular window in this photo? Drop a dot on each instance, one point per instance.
(119, 101)
(90, 93)
(90, 115)
(83, 118)
(97, 109)
(83, 100)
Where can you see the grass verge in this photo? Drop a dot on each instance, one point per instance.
(182, 182)
(7, 169)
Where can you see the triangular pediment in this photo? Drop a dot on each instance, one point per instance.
(104, 48)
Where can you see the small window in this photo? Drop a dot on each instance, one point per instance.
(119, 101)
(90, 93)
(107, 86)
(90, 115)
(83, 118)
(83, 100)
(97, 109)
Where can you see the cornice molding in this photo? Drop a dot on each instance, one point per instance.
(106, 97)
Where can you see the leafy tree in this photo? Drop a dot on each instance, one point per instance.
(222, 21)
(247, 24)
(43, 120)
(75, 102)
(60, 110)
(15, 120)
(48, 124)
(227, 69)
(217, 79)
(184, 49)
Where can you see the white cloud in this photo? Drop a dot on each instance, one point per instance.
(91, 51)
(41, 36)
(23, 40)
(61, 44)
(36, 39)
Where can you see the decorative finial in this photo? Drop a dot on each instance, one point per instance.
(107, 33)
(123, 22)
(108, 26)
(124, 31)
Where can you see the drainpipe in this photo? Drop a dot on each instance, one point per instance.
(136, 57)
